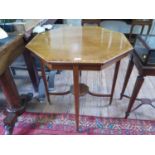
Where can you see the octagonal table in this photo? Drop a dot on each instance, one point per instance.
(79, 48)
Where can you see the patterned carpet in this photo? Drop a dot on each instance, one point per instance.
(64, 124)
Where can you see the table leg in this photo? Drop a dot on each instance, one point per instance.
(114, 81)
(127, 76)
(32, 69)
(45, 81)
(14, 104)
(138, 84)
(76, 93)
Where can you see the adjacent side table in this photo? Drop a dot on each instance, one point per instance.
(143, 58)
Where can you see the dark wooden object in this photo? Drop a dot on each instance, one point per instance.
(79, 59)
(143, 71)
(29, 58)
(142, 23)
(139, 22)
(77, 68)
(32, 69)
(15, 106)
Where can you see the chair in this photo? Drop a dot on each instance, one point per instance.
(142, 23)
(139, 22)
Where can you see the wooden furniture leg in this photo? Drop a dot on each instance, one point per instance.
(149, 29)
(142, 29)
(45, 81)
(32, 69)
(130, 34)
(127, 76)
(76, 93)
(114, 81)
(14, 103)
(138, 84)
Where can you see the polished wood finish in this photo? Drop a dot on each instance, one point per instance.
(80, 48)
(7, 84)
(76, 93)
(14, 106)
(10, 51)
(84, 45)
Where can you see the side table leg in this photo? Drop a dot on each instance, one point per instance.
(114, 81)
(14, 106)
(138, 84)
(45, 81)
(127, 76)
(76, 93)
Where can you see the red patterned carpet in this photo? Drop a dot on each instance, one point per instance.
(64, 124)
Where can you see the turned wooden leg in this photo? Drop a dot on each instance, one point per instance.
(14, 103)
(138, 84)
(114, 81)
(32, 69)
(45, 81)
(76, 93)
(127, 76)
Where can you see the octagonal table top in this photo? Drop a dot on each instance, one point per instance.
(88, 44)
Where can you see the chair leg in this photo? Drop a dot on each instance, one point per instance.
(142, 29)
(45, 81)
(130, 34)
(128, 73)
(114, 81)
(138, 84)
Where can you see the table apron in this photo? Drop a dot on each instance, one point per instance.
(70, 66)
